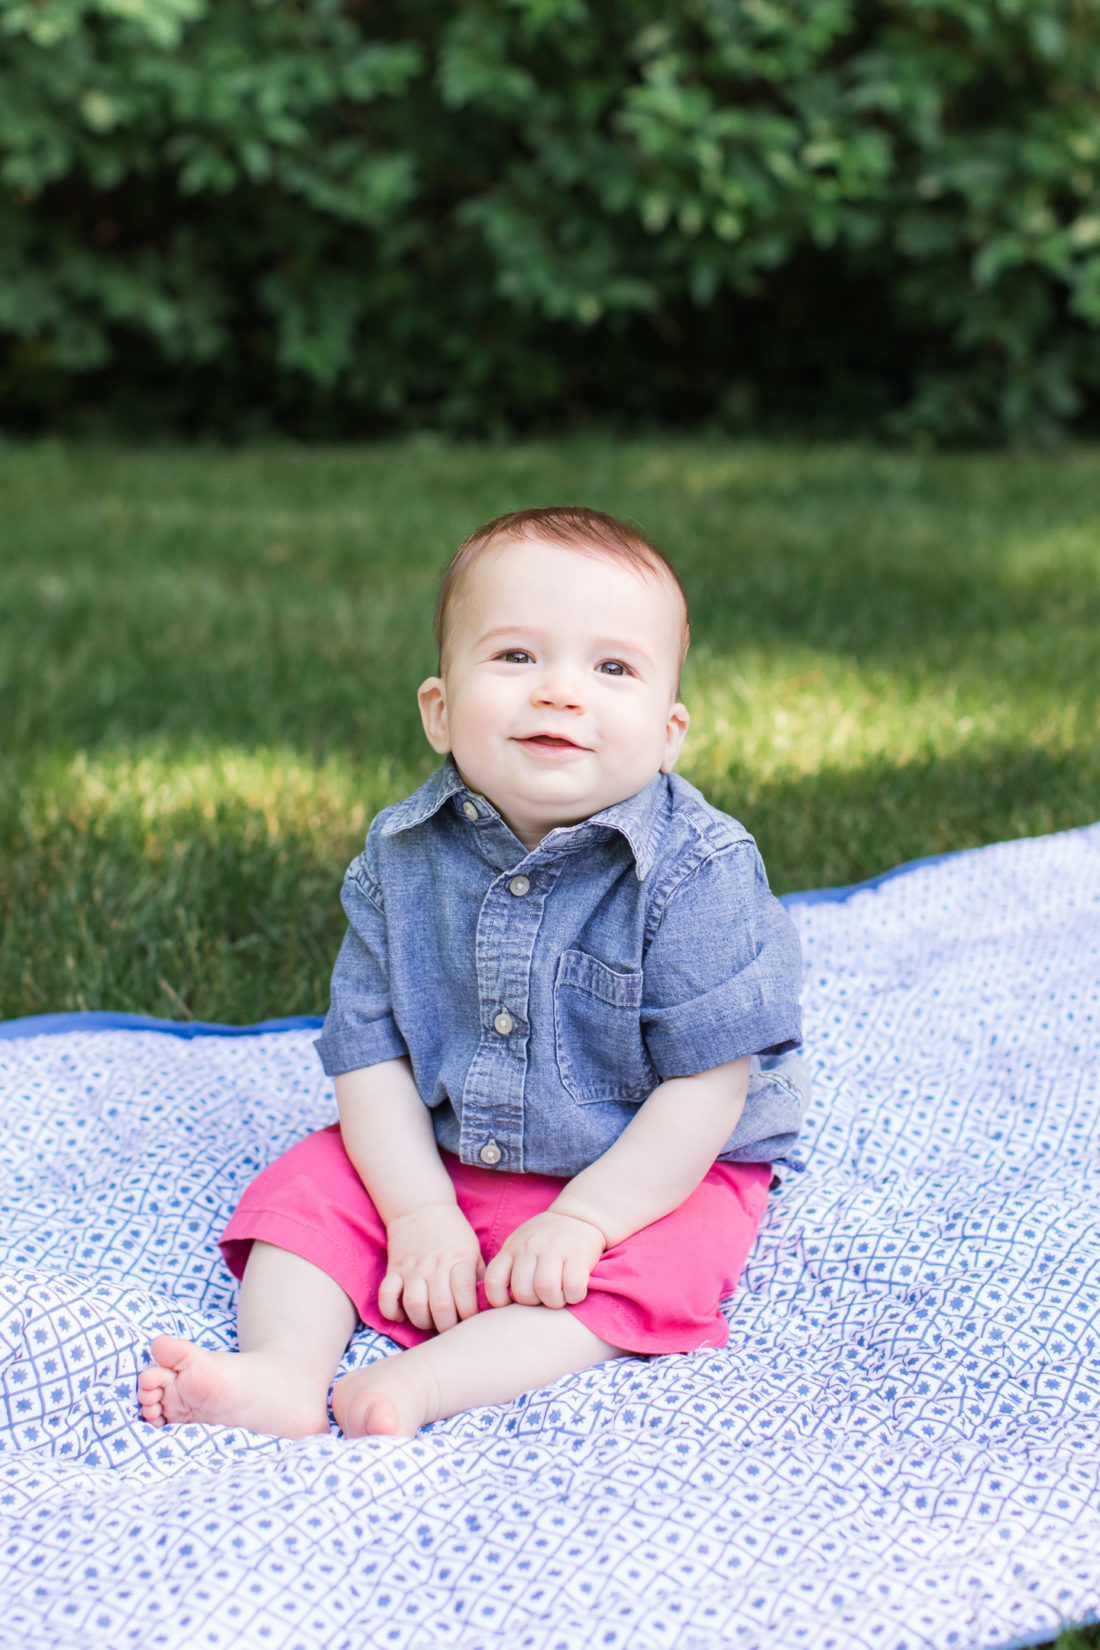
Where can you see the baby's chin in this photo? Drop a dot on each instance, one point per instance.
(534, 816)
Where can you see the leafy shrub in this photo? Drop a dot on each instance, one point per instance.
(345, 217)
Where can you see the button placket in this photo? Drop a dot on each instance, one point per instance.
(493, 1091)
(503, 1023)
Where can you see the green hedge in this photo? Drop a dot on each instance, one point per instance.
(344, 218)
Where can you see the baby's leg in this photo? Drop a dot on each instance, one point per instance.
(293, 1324)
(488, 1359)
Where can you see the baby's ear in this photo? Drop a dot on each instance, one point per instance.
(431, 697)
(679, 720)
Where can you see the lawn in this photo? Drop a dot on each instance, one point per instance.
(208, 664)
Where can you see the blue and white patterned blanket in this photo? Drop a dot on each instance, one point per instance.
(900, 1448)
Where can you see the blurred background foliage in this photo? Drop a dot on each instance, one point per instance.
(338, 219)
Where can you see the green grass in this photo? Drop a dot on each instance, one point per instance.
(208, 664)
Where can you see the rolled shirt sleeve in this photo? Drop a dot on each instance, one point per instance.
(724, 969)
(360, 1029)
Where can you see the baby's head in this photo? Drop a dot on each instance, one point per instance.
(561, 635)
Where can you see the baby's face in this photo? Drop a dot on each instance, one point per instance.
(558, 692)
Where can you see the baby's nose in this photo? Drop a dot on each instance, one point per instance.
(560, 686)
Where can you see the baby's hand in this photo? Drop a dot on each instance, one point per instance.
(434, 1264)
(546, 1262)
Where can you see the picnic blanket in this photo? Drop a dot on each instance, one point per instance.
(899, 1448)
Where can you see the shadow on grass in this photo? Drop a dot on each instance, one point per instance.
(827, 829)
(1079, 1638)
(274, 606)
(285, 598)
(220, 900)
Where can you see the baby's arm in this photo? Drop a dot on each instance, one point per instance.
(654, 1165)
(434, 1255)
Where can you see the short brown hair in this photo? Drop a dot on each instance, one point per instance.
(591, 532)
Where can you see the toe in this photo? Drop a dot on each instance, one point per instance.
(150, 1403)
(150, 1394)
(379, 1419)
(170, 1351)
(363, 1413)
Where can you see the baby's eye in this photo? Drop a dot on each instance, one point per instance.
(515, 656)
(613, 667)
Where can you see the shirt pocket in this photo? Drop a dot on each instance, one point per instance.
(598, 1031)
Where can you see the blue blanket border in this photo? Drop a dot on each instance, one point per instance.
(45, 1025)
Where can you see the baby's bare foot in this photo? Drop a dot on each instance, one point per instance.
(389, 1398)
(229, 1389)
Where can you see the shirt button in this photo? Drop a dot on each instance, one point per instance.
(504, 1024)
(518, 886)
(469, 810)
(490, 1153)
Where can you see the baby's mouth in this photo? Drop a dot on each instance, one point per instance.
(552, 741)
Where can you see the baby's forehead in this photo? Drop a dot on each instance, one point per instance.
(491, 569)
(498, 569)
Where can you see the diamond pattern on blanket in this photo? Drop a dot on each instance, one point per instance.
(900, 1447)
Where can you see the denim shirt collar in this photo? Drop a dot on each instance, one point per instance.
(638, 819)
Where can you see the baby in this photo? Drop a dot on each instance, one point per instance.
(561, 1032)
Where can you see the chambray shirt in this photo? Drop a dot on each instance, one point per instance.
(542, 995)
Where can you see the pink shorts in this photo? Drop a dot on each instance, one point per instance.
(657, 1291)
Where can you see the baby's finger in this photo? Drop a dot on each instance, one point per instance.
(415, 1302)
(547, 1281)
(497, 1274)
(522, 1282)
(389, 1297)
(464, 1289)
(574, 1281)
(441, 1303)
